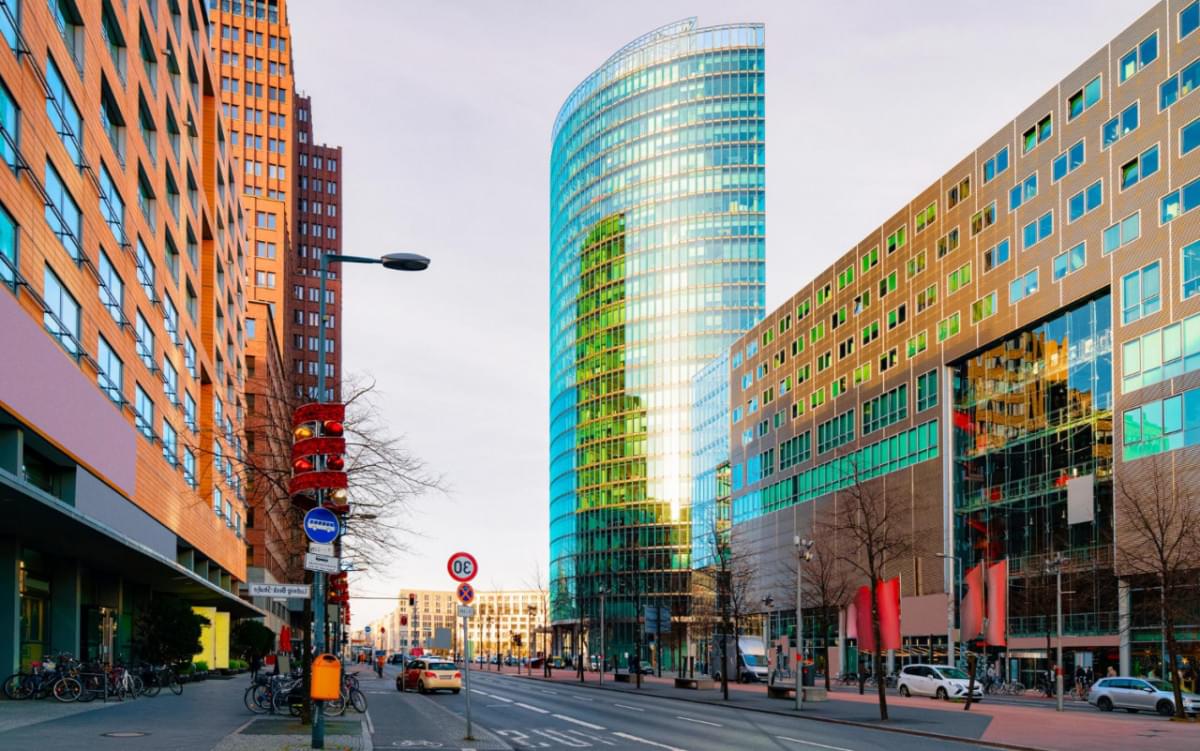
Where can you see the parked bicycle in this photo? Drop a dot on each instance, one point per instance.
(155, 679)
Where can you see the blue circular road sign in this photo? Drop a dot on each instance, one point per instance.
(321, 525)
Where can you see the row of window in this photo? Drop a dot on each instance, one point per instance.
(1164, 425)
(1161, 354)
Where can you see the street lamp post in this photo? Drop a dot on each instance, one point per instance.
(767, 602)
(957, 566)
(803, 553)
(400, 262)
(1055, 566)
(603, 592)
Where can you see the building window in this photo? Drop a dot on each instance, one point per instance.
(927, 390)
(218, 503)
(145, 271)
(1189, 20)
(958, 193)
(189, 468)
(189, 412)
(1086, 201)
(1180, 201)
(948, 327)
(870, 259)
(8, 247)
(983, 308)
(1139, 57)
(70, 26)
(1082, 100)
(109, 370)
(143, 412)
(996, 255)
(1119, 127)
(62, 213)
(1190, 256)
(917, 344)
(947, 243)
(189, 356)
(1038, 230)
(926, 217)
(170, 445)
(958, 278)
(1037, 134)
(61, 317)
(1068, 161)
(995, 165)
(1071, 261)
(927, 298)
(981, 220)
(895, 241)
(1140, 293)
(1136, 170)
(145, 341)
(10, 116)
(1189, 137)
(1022, 192)
(1023, 287)
(1122, 233)
(63, 113)
(916, 264)
(111, 288)
(170, 378)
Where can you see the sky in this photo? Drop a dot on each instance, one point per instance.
(445, 109)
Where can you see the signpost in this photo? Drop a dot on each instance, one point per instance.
(321, 548)
(261, 589)
(462, 568)
(321, 525)
(322, 563)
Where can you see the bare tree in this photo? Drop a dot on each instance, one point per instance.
(538, 584)
(1158, 539)
(874, 537)
(826, 589)
(730, 583)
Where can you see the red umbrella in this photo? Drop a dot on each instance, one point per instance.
(285, 639)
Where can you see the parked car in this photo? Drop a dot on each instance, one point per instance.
(426, 675)
(942, 681)
(1136, 694)
(557, 662)
(536, 663)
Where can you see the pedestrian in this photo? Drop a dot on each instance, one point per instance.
(379, 664)
(1112, 672)
(1089, 676)
(255, 666)
(1079, 676)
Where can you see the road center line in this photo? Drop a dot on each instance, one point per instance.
(812, 743)
(702, 722)
(656, 744)
(626, 706)
(539, 710)
(589, 725)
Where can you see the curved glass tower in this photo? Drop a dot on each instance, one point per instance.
(657, 236)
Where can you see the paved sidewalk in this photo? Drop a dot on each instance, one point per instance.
(1001, 724)
(275, 733)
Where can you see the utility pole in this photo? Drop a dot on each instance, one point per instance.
(803, 553)
(767, 602)
(603, 591)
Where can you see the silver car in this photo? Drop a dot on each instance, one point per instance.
(1136, 694)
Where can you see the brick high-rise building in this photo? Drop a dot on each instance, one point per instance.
(122, 319)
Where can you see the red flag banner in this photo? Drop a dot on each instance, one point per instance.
(862, 608)
(971, 616)
(997, 604)
(888, 599)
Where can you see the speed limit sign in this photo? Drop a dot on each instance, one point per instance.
(462, 567)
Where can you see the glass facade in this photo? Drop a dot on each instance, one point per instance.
(710, 461)
(657, 236)
(1031, 413)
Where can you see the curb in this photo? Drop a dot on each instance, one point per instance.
(829, 720)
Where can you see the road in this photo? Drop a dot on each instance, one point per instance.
(529, 715)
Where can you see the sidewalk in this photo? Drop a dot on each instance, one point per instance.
(1001, 724)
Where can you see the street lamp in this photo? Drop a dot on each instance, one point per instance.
(957, 562)
(803, 553)
(602, 591)
(1055, 566)
(398, 261)
(767, 602)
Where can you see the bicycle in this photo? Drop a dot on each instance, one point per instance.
(154, 679)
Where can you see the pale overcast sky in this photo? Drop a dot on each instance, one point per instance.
(445, 108)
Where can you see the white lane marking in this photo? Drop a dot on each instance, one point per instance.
(547, 691)
(370, 725)
(539, 710)
(563, 738)
(629, 737)
(596, 738)
(582, 698)
(702, 722)
(497, 697)
(626, 706)
(812, 743)
(581, 723)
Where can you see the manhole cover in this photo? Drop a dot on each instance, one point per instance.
(124, 734)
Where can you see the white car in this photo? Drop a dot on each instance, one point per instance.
(943, 681)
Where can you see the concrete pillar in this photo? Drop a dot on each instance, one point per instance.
(10, 606)
(891, 661)
(65, 599)
(1123, 626)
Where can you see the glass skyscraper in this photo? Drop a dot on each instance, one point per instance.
(657, 237)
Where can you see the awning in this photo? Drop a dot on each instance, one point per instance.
(59, 528)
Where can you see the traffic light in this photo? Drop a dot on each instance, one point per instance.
(404, 620)
(318, 456)
(339, 589)
(516, 640)
(412, 600)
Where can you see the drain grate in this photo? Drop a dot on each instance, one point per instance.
(124, 734)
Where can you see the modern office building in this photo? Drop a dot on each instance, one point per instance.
(657, 236)
(990, 357)
(122, 259)
(499, 617)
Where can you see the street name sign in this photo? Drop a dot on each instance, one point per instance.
(322, 563)
(466, 611)
(462, 567)
(321, 525)
(321, 548)
(261, 589)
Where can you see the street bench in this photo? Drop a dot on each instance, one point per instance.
(811, 693)
(695, 683)
(620, 677)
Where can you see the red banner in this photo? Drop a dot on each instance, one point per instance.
(888, 598)
(862, 612)
(997, 604)
(971, 616)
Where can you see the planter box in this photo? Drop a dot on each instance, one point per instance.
(698, 684)
(623, 677)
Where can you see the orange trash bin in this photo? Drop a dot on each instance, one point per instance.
(326, 678)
